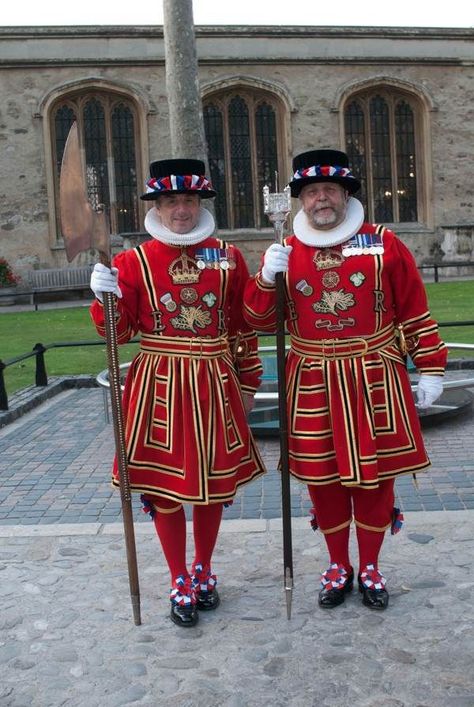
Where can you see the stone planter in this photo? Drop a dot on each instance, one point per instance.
(7, 296)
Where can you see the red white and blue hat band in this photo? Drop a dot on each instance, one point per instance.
(178, 183)
(332, 171)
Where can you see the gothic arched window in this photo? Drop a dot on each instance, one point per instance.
(107, 129)
(382, 137)
(243, 132)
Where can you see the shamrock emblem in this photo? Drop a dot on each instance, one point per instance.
(357, 278)
(210, 299)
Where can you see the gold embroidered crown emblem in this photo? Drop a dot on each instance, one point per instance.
(184, 270)
(326, 259)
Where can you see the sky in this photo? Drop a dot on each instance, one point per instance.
(356, 13)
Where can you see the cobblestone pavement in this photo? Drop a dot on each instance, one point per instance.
(55, 468)
(67, 637)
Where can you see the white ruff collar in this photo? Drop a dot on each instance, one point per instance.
(314, 237)
(203, 229)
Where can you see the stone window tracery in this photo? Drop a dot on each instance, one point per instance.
(108, 137)
(244, 131)
(383, 140)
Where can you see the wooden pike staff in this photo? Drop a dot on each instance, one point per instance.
(82, 229)
(277, 206)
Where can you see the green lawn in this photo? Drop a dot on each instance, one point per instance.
(20, 331)
(453, 302)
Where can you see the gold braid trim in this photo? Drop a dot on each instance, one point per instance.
(372, 527)
(166, 510)
(338, 527)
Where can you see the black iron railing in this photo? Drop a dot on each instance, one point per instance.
(39, 350)
(437, 266)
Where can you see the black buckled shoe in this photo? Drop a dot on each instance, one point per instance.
(207, 601)
(336, 582)
(204, 583)
(186, 616)
(372, 587)
(183, 603)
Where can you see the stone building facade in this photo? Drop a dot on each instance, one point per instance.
(307, 87)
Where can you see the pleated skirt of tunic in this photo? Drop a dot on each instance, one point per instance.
(187, 433)
(352, 420)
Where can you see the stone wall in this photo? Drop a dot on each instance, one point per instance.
(310, 68)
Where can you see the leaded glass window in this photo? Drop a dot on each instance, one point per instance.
(380, 131)
(241, 163)
(244, 151)
(123, 152)
(267, 150)
(107, 129)
(65, 117)
(96, 154)
(215, 154)
(406, 166)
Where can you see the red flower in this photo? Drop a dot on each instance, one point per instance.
(7, 276)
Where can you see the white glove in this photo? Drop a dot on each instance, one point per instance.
(428, 390)
(104, 279)
(275, 260)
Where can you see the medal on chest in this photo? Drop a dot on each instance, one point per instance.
(215, 258)
(168, 301)
(363, 244)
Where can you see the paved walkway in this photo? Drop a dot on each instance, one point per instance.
(55, 466)
(67, 637)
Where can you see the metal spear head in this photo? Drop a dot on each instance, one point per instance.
(82, 227)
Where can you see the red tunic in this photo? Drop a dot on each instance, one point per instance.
(350, 406)
(187, 434)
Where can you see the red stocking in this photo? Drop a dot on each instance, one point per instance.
(170, 524)
(373, 512)
(338, 547)
(332, 504)
(369, 543)
(206, 523)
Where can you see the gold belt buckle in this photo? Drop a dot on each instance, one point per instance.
(365, 347)
(332, 355)
(191, 348)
